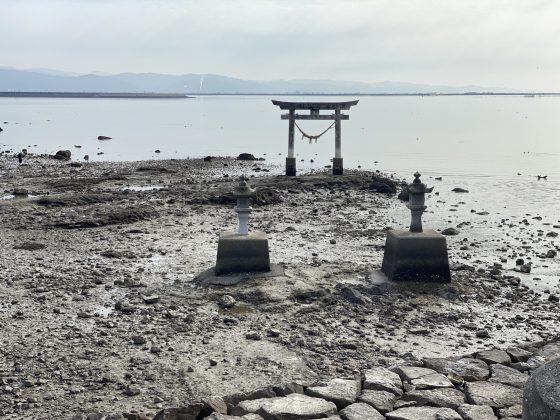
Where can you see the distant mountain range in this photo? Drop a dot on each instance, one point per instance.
(46, 80)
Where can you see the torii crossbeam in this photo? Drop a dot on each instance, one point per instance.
(314, 114)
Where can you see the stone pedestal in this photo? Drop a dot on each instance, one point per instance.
(290, 166)
(242, 253)
(416, 256)
(337, 168)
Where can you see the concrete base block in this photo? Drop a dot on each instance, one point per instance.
(541, 396)
(290, 166)
(209, 277)
(242, 253)
(337, 167)
(416, 256)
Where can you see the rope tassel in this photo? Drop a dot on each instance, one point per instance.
(311, 138)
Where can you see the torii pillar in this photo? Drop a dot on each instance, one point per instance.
(314, 114)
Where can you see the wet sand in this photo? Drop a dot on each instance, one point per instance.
(100, 308)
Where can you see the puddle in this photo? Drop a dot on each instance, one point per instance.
(138, 188)
(16, 197)
(104, 311)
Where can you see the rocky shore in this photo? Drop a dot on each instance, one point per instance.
(101, 310)
(487, 385)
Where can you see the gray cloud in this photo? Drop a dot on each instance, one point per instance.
(512, 43)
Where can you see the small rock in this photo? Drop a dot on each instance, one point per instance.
(132, 391)
(246, 156)
(525, 268)
(20, 192)
(450, 231)
(63, 155)
(252, 335)
(138, 340)
(482, 334)
(30, 246)
(226, 301)
(150, 299)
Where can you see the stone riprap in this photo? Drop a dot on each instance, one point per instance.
(429, 390)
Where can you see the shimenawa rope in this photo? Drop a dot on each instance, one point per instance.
(311, 138)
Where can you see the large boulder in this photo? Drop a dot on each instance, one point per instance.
(541, 397)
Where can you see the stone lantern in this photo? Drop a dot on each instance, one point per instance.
(242, 251)
(243, 192)
(416, 198)
(416, 254)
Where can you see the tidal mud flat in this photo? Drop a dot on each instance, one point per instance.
(100, 308)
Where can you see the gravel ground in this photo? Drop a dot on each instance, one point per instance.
(100, 308)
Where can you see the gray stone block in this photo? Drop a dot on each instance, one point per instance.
(361, 411)
(242, 253)
(416, 256)
(423, 413)
(294, 406)
(541, 397)
(476, 412)
(337, 166)
(290, 166)
(342, 392)
(495, 395)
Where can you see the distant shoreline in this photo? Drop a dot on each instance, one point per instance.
(190, 95)
(104, 95)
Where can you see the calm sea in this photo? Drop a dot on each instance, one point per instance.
(494, 146)
(471, 136)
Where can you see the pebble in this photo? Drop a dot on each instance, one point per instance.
(138, 339)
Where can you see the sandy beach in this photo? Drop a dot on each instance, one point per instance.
(101, 309)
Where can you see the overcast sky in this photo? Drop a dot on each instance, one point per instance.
(495, 43)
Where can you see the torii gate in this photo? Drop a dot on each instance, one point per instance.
(314, 114)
